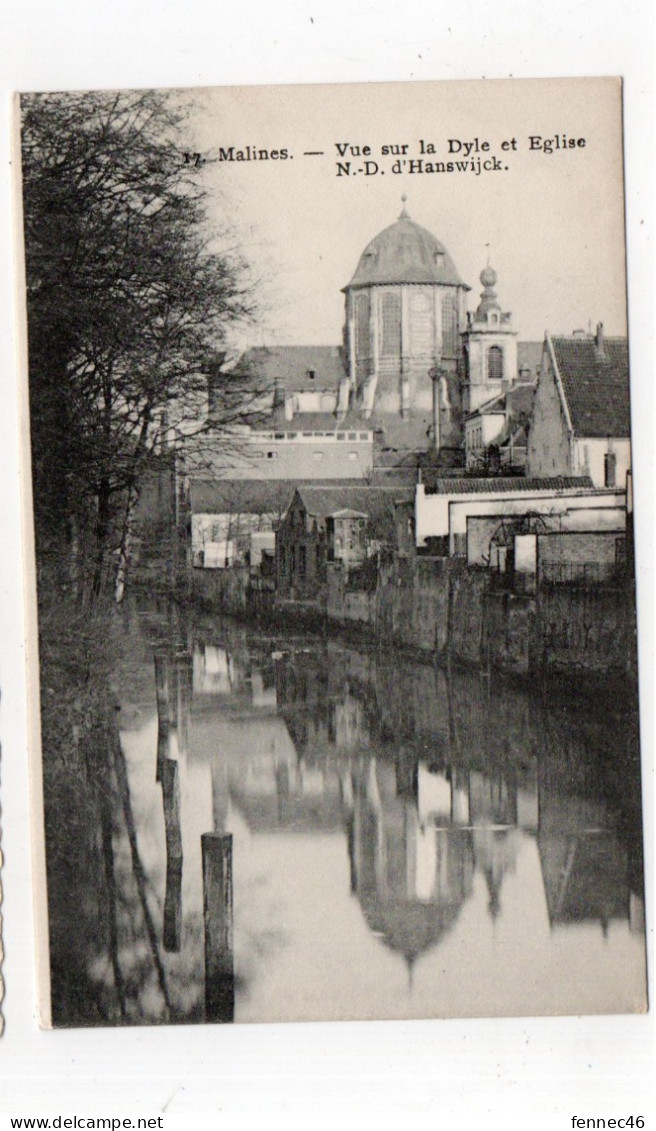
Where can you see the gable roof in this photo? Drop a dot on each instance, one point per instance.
(595, 384)
(321, 502)
(290, 365)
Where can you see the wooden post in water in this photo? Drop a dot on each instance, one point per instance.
(217, 910)
(172, 927)
(162, 690)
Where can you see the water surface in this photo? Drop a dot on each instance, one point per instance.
(406, 842)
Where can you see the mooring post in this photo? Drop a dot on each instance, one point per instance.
(172, 928)
(217, 910)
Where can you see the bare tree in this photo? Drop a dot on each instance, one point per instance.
(129, 299)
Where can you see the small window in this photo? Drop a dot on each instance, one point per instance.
(272, 455)
(317, 455)
(353, 455)
(352, 435)
(311, 374)
(341, 435)
(364, 435)
(279, 435)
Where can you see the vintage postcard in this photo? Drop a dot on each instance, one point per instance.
(333, 521)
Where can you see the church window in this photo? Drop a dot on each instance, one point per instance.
(450, 324)
(362, 325)
(420, 302)
(391, 345)
(495, 363)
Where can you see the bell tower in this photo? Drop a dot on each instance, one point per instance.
(489, 347)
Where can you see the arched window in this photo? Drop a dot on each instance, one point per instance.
(450, 324)
(362, 325)
(495, 363)
(391, 312)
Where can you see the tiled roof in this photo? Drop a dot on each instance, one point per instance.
(596, 386)
(509, 485)
(373, 501)
(519, 398)
(243, 496)
(291, 365)
(323, 422)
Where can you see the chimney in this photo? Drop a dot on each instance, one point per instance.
(599, 342)
(278, 403)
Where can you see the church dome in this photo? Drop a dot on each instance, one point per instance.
(405, 253)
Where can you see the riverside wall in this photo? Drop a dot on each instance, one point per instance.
(446, 610)
(443, 608)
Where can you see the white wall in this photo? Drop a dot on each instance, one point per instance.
(589, 459)
(549, 451)
(439, 515)
(543, 502)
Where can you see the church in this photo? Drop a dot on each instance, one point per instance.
(412, 367)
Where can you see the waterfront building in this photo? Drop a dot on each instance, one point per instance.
(581, 421)
(332, 523)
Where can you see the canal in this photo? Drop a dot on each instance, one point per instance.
(288, 827)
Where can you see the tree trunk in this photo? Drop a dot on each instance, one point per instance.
(123, 555)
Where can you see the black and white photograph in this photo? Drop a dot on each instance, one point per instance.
(332, 503)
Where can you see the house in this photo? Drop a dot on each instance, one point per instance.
(223, 517)
(332, 524)
(499, 427)
(581, 419)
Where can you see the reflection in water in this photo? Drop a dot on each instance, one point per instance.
(298, 829)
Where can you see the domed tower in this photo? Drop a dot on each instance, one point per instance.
(489, 346)
(404, 315)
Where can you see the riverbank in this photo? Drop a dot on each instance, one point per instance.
(443, 612)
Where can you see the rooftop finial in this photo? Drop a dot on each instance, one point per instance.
(404, 213)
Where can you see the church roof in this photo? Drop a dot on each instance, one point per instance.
(405, 253)
(595, 382)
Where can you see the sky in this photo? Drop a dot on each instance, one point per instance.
(552, 223)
